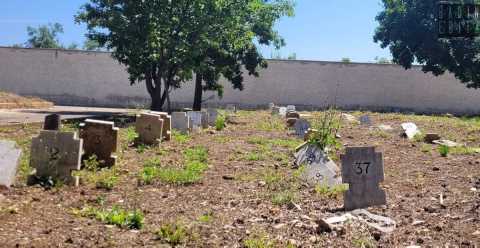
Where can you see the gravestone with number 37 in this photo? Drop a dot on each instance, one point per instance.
(362, 169)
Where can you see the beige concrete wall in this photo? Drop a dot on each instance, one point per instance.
(95, 79)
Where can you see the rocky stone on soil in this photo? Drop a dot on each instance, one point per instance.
(9, 161)
(431, 137)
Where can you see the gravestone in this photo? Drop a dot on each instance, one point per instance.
(149, 128)
(301, 127)
(52, 122)
(231, 108)
(9, 161)
(100, 139)
(362, 169)
(365, 120)
(319, 169)
(275, 110)
(212, 115)
(204, 119)
(292, 115)
(271, 105)
(181, 122)
(195, 120)
(291, 108)
(167, 124)
(410, 130)
(55, 155)
(282, 112)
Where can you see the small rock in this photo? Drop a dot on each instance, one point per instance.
(385, 127)
(262, 183)
(323, 227)
(377, 235)
(211, 131)
(430, 209)
(279, 226)
(228, 177)
(476, 233)
(436, 169)
(418, 222)
(292, 205)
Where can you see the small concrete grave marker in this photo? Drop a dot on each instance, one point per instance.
(275, 110)
(410, 130)
(100, 139)
(282, 112)
(291, 108)
(319, 169)
(167, 124)
(362, 169)
(212, 115)
(9, 161)
(301, 127)
(195, 119)
(365, 120)
(181, 122)
(52, 122)
(55, 155)
(149, 128)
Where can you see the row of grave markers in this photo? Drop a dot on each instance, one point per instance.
(55, 154)
(362, 167)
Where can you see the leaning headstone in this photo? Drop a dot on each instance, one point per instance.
(301, 127)
(365, 120)
(99, 139)
(9, 161)
(52, 122)
(319, 169)
(291, 108)
(362, 169)
(181, 122)
(149, 128)
(212, 115)
(282, 112)
(55, 155)
(292, 115)
(195, 120)
(410, 130)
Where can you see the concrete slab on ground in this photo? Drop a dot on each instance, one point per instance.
(20, 116)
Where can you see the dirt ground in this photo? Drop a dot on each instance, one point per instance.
(12, 101)
(250, 196)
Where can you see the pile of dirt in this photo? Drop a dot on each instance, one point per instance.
(12, 101)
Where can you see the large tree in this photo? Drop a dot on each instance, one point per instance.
(164, 42)
(44, 36)
(409, 29)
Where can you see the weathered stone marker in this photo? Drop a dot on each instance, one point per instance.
(167, 124)
(181, 122)
(149, 128)
(195, 120)
(9, 161)
(52, 122)
(291, 108)
(282, 112)
(100, 139)
(55, 155)
(212, 115)
(204, 119)
(362, 168)
(292, 115)
(301, 127)
(319, 169)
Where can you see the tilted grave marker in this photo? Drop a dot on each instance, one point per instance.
(319, 169)
(301, 127)
(99, 138)
(9, 161)
(362, 169)
(55, 155)
(181, 122)
(149, 128)
(212, 115)
(283, 112)
(52, 122)
(291, 108)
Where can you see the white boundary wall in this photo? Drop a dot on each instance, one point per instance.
(95, 79)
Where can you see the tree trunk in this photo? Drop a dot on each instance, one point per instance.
(155, 94)
(197, 100)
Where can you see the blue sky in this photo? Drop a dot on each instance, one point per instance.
(321, 29)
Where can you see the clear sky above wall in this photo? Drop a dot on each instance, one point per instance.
(321, 29)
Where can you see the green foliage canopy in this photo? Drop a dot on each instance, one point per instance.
(409, 29)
